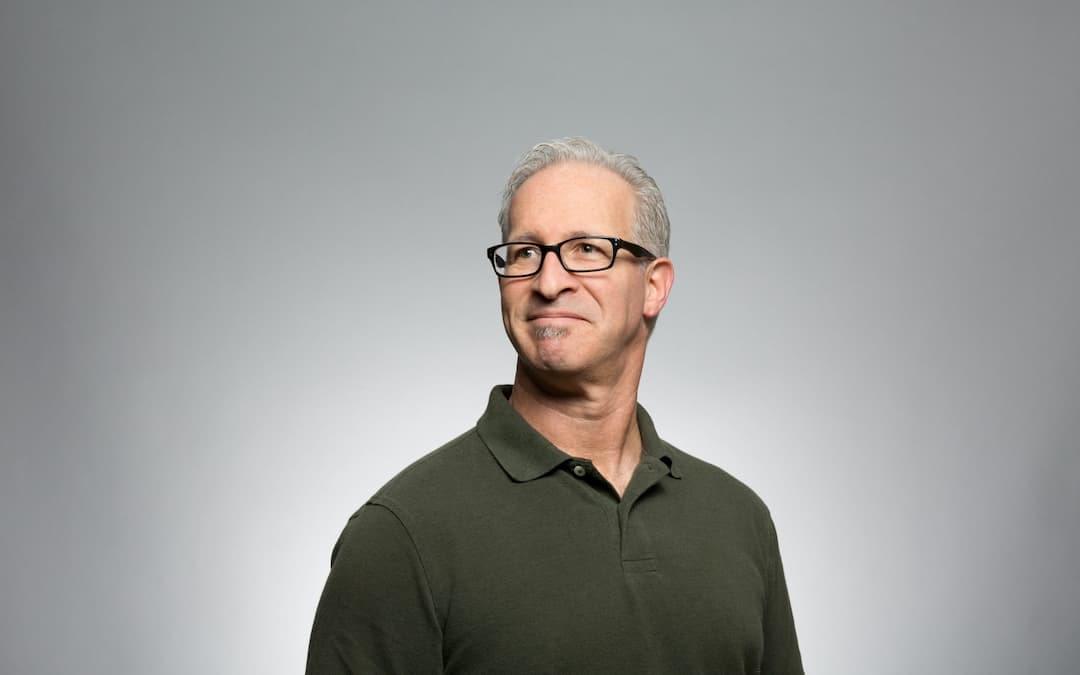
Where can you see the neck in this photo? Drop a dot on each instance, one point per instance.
(592, 420)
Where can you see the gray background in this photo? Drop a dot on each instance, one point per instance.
(243, 284)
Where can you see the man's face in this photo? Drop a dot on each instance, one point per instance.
(603, 323)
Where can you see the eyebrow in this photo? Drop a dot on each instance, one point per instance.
(529, 235)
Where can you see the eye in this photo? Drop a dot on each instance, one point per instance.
(589, 249)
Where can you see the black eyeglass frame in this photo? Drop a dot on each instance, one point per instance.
(616, 244)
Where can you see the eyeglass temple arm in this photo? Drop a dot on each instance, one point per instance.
(639, 251)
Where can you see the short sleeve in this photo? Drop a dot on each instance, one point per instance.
(376, 614)
(781, 655)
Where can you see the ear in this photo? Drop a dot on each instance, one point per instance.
(659, 278)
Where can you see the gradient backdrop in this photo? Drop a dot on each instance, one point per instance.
(242, 245)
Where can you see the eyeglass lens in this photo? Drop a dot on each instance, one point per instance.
(578, 255)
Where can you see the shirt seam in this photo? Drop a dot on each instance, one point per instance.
(393, 507)
(770, 557)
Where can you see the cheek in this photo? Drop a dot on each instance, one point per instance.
(509, 302)
(506, 300)
(620, 306)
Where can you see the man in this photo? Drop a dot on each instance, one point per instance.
(561, 534)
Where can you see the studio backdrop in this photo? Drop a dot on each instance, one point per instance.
(243, 284)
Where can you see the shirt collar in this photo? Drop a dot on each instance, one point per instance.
(525, 454)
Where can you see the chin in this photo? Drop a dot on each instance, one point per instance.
(554, 349)
(554, 355)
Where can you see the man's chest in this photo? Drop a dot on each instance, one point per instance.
(591, 587)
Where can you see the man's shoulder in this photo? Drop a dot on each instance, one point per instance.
(436, 477)
(708, 481)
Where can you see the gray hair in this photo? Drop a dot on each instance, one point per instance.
(651, 228)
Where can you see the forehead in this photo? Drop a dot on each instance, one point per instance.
(572, 199)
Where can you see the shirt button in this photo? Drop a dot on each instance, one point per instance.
(579, 470)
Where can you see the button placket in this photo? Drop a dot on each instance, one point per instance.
(636, 548)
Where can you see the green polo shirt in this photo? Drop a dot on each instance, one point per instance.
(500, 553)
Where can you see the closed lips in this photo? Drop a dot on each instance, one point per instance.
(555, 315)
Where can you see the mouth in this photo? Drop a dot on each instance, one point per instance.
(555, 317)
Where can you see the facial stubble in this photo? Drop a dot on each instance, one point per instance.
(550, 332)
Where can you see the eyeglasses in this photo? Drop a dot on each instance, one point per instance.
(578, 254)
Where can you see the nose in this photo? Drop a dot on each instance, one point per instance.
(553, 279)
